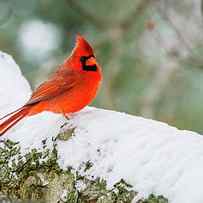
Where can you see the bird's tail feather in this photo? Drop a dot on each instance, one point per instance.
(13, 118)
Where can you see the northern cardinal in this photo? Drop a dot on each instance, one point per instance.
(73, 86)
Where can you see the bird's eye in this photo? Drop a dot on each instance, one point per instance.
(83, 59)
(88, 63)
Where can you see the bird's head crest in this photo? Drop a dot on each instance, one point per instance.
(82, 47)
(82, 56)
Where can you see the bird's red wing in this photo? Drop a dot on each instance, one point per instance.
(61, 82)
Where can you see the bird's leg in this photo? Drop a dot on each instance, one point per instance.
(64, 114)
(67, 119)
(64, 125)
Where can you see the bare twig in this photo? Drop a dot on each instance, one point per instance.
(157, 87)
(180, 36)
(166, 70)
(133, 17)
(195, 58)
(159, 81)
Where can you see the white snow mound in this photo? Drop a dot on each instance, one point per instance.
(152, 156)
(14, 88)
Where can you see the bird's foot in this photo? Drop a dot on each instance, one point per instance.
(65, 124)
(66, 117)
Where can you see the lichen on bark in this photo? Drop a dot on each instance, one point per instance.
(36, 175)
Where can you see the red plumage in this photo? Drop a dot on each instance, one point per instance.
(73, 86)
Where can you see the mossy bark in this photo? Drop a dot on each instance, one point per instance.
(37, 176)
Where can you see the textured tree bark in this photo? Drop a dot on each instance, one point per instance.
(36, 177)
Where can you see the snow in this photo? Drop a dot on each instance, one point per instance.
(36, 129)
(151, 156)
(14, 88)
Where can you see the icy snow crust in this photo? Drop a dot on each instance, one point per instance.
(150, 155)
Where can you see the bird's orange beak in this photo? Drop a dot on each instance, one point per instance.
(91, 61)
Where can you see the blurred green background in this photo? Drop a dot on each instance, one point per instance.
(150, 50)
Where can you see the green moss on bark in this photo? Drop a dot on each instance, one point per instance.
(37, 176)
(154, 199)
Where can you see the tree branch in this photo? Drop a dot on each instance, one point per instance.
(132, 18)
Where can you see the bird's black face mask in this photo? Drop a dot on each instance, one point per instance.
(85, 67)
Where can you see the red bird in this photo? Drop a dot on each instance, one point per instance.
(72, 87)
